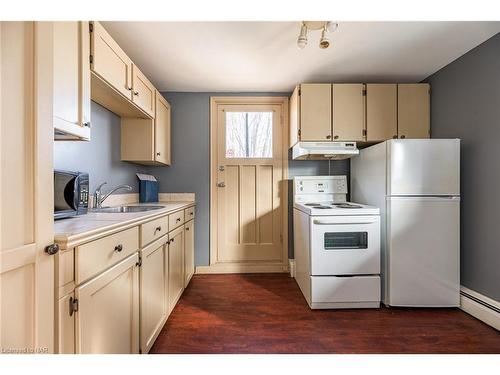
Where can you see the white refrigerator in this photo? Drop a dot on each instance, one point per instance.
(416, 185)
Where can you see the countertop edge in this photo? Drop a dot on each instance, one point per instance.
(67, 242)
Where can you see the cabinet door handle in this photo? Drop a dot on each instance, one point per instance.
(52, 249)
(395, 137)
(119, 248)
(158, 153)
(136, 93)
(128, 88)
(336, 137)
(178, 219)
(171, 240)
(221, 184)
(86, 124)
(328, 137)
(187, 228)
(157, 229)
(191, 213)
(403, 137)
(73, 305)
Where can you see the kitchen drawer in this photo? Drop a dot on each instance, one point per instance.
(153, 230)
(96, 256)
(189, 213)
(176, 219)
(340, 289)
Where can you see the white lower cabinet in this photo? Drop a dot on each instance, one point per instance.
(123, 296)
(154, 292)
(175, 266)
(107, 320)
(188, 252)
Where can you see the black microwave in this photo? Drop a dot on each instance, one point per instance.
(71, 194)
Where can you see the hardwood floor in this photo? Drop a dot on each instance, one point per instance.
(266, 313)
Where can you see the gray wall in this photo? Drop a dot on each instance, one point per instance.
(101, 156)
(465, 104)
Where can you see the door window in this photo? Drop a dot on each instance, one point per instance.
(249, 134)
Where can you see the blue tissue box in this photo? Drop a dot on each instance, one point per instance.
(148, 191)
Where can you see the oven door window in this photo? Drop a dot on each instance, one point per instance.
(345, 240)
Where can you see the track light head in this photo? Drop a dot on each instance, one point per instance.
(302, 39)
(324, 42)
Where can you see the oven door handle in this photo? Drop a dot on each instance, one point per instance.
(324, 222)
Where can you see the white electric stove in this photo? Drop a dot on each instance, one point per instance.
(336, 245)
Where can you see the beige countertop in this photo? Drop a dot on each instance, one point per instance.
(75, 231)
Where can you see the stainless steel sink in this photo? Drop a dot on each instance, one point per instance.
(126, 209)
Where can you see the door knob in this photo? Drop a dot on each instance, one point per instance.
(221, 184)
(52, 249)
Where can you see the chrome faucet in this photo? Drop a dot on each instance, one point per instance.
(99, 197)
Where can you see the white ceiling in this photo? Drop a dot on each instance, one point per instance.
(263, 56)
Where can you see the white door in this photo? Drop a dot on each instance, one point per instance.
(424, 167)
(248, 195)
(26, 188)
(423, 246)
(345, 245)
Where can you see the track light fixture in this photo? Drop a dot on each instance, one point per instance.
(302, 39)
(325, 27)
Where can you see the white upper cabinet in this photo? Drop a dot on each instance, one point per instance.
(414, 110)
(348, 112)
(110, 62)
(143, 91)
(71, 80)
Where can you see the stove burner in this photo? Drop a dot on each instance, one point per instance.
(312, 204)
(346, 205)
(322, 207)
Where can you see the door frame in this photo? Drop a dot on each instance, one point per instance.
(247, 267)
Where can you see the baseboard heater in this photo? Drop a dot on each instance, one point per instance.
(480, 307)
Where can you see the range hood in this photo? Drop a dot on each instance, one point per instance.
(324, 150)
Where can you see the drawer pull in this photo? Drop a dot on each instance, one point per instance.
(157, 229)
(178, 219)
(119, 248)
(191, 213)
(187, 228)
(172, 240)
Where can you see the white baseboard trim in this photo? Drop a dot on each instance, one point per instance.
(480, 307)
(291, 266)
(220, 268)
